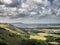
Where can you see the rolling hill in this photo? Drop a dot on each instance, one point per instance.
(10, 35)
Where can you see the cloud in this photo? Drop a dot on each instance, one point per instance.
(30, 11)
(13, 3)
(6, 1)
(44, 2)
(24, 5)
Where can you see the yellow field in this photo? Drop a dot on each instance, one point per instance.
(41, 36)
(56, 43)
(37, 37)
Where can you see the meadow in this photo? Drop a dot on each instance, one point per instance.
(51, 36)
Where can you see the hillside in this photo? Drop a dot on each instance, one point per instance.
(10, 35)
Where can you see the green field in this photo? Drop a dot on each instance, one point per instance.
(11, 35)
(51, 36)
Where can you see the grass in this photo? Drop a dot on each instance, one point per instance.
(10, 35)
(37, 37)
(54, 43)
(48, 35)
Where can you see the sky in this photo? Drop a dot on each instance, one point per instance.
(51, 1)
(30, 11)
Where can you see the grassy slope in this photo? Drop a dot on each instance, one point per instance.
(11, 35)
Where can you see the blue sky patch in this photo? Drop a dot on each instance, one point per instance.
(51, 1)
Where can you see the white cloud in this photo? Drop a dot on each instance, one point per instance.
(6, 1)
(35, 8)
(58, 13)
(44, 2)
(25, 5)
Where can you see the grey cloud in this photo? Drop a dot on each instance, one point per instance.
(14, 3)
(42, 13)
(1, 3)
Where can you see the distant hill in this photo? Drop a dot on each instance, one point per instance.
(22, 25)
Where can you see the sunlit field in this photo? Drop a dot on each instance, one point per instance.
(51, 36)
(10, 35)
